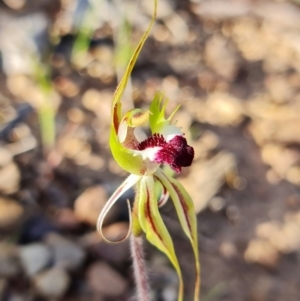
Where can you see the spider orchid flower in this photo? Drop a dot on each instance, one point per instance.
(142, 157)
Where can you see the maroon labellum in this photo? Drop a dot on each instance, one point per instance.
(176, 152)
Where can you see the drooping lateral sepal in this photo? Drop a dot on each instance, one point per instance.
(186, 214)
(127, 184)
(154, 227)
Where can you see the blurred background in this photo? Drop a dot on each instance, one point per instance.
(234, 66)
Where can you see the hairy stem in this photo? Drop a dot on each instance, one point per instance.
(139, 267)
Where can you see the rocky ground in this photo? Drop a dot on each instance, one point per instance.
(234, 66)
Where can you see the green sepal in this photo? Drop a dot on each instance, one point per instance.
(154, 226)
(187, 217)
(125, 157)
(157, 119)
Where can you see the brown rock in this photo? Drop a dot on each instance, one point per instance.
(66, 253)
(106, 281)
(9, 178)
(222, 109)
(66, 86)
(280, 158)
(208, 177)
(5, 157)
(52, 283)
(113, 253)
(284, 237)
(75, 148)
(221, 57)
(35, 257)
(3, 284)
(65, 219)
(10, 213)
(261, 287)
(24, 87)
(90, 203)
(228, 250)
(262, 252)
(9, 262)
(98, 102)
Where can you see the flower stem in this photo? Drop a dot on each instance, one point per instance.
(139, 267)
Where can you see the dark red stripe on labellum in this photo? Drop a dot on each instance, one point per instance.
(153, 141)
(176, 153)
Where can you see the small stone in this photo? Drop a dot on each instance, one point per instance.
(216, 204)
(3, 284)
(262, 252)
(222, 109)
(35, 257)
(9, 262)
(293, 175)
(18, 296)
(208, 177)
(105, 280)
(5, 157)
(91, 99)
(178, 28)
(221, 57)
(232, 212)
(35, 228)
(9, 178)
(76, 115)
(90, 203)
(10, 213)
(96, 101)
(52, 283)
(279, 88)
(220, 9)
(66, 86)
(284, 237)
(19, 132)
(75, 148)
(65, 219)
(280, 158)
(272, 177)
(25, 87)
(228, 250)
(166, 8)
(170, 293)
(261, 287)
(15, 4)
(67, 254)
